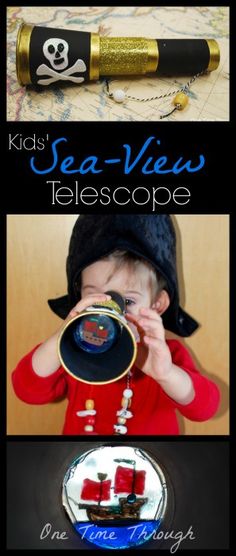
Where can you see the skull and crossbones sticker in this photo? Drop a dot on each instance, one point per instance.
(56, 52)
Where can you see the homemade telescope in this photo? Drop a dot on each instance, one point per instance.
(45, 55)
(97, 346)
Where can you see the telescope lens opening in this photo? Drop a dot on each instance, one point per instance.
(96, 333)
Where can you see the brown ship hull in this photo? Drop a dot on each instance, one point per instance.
(124, 511)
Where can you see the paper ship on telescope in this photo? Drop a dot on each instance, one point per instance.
(112, 493)
(128, 485)
(94, 334)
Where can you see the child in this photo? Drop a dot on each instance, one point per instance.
(136, 256)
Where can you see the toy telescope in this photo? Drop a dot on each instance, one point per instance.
(97, 346)
(45, 55)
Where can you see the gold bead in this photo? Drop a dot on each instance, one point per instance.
(121, 420)
(125, 402)
(88, 428)
(180, 101)
(89, 404)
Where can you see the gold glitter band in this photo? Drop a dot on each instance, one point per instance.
(110, 304)
(214, 51)
(153, 56)
(127, 56)
(22, 54)
(94, 57)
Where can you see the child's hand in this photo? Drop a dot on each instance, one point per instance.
(154, 357)
(85, 302)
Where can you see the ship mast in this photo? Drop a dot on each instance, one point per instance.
(101, 478)
(131, 498)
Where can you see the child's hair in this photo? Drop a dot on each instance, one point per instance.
(125, 258)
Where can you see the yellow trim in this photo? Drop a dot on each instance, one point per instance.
(22, 54)
(214, 58)
(153, 56)
(111, 304)
(94, 57)
(86, 313)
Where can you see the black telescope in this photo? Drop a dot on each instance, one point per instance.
(97, 346)
(46, 55)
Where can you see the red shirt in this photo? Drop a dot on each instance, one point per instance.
(154, 412)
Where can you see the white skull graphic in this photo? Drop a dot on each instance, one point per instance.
(56, 52)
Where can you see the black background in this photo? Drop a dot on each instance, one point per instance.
(199, 469)
(210, 191)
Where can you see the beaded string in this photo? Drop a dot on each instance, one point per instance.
(180, 101)
(88, 414)
(122, 414)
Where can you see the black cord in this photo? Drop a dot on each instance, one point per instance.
(183, 89)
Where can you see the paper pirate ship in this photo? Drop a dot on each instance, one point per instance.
(94, 333)
(128, 485)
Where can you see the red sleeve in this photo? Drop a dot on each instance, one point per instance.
(31, 388)
(207, 395)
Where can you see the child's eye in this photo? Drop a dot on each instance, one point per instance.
(129, 302)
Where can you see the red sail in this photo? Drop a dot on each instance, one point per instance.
(94, 490)
(124, 480)
(102, 333)
(90, 326)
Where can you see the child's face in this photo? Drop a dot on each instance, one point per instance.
(132, 282)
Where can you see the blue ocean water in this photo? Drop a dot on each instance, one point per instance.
(118, 537)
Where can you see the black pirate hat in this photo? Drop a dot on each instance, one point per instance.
(151, 237)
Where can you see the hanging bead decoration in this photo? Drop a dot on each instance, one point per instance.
(180, 100)
(89, 414)
(123, 414)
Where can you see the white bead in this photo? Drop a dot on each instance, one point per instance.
(128, 393)
(86, 412)
(88, 428)
(121, 429)
(124, 413)
(119, 95)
